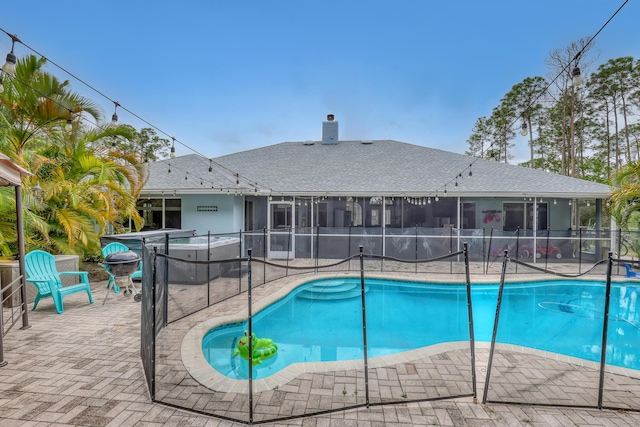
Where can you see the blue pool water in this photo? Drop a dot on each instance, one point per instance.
(322, 321)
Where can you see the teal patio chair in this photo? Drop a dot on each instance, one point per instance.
(113, 248)
(41, 271)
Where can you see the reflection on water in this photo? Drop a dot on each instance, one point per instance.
(322, 321)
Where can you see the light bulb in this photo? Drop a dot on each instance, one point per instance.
(576, 77)
(9, 67)
(69, 125)
(524, 131)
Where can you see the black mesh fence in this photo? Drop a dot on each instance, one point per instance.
(564, 339)
(255, 339)
(252, 348)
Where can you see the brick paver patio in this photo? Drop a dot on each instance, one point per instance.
(83, 368)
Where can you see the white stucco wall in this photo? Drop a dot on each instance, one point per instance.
(227, 218)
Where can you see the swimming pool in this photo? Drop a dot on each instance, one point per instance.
(321, 321)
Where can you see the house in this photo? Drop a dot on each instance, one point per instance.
(294, 190)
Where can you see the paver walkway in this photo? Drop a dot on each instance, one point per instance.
(83, 368)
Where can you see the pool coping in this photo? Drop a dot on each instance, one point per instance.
(202, 372)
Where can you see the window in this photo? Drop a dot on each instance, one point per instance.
(469, 215)
(520, 214)
(160, 213)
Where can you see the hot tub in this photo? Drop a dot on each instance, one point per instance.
(200, 248)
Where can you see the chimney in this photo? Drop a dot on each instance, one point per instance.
(329, 130)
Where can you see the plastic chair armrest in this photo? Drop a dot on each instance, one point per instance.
(76, 273)
(84, 275)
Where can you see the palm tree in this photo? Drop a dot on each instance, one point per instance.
(625, 199)
(84, 187)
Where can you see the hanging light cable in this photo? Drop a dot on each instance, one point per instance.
(576, 76)
(228, 173)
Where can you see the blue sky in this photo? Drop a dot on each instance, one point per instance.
(228, 76)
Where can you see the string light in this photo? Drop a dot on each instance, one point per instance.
(114, 117)
(9, 66)
(11, 60)
(211, 168)
(173, 148)
(576, 80)
(226, 171)
(69, 125)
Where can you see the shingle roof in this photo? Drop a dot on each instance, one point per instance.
(379, 167)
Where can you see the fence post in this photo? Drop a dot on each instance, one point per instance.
(489, 251)
(484, 247)
(416, 248)
(470, 314)
(517, 246)
(209, 266)
(451, 250)
(605, 327)
(495, 326)
(165, 305)
(249, 337)
(349, 249)
(317, 245)
(21, 255)
(288, 250)
(619, 242)
(364, 328)
(546, 256)
(2, 361)
(579, 250)
(264, 253)
(154, 319)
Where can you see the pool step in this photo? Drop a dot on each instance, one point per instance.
(331, 290)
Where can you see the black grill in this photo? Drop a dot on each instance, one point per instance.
(122, 263)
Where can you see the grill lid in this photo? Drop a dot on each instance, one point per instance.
(121, 258)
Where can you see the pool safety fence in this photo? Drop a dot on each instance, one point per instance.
(236, 293)
(328, 373)
(570, 343)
